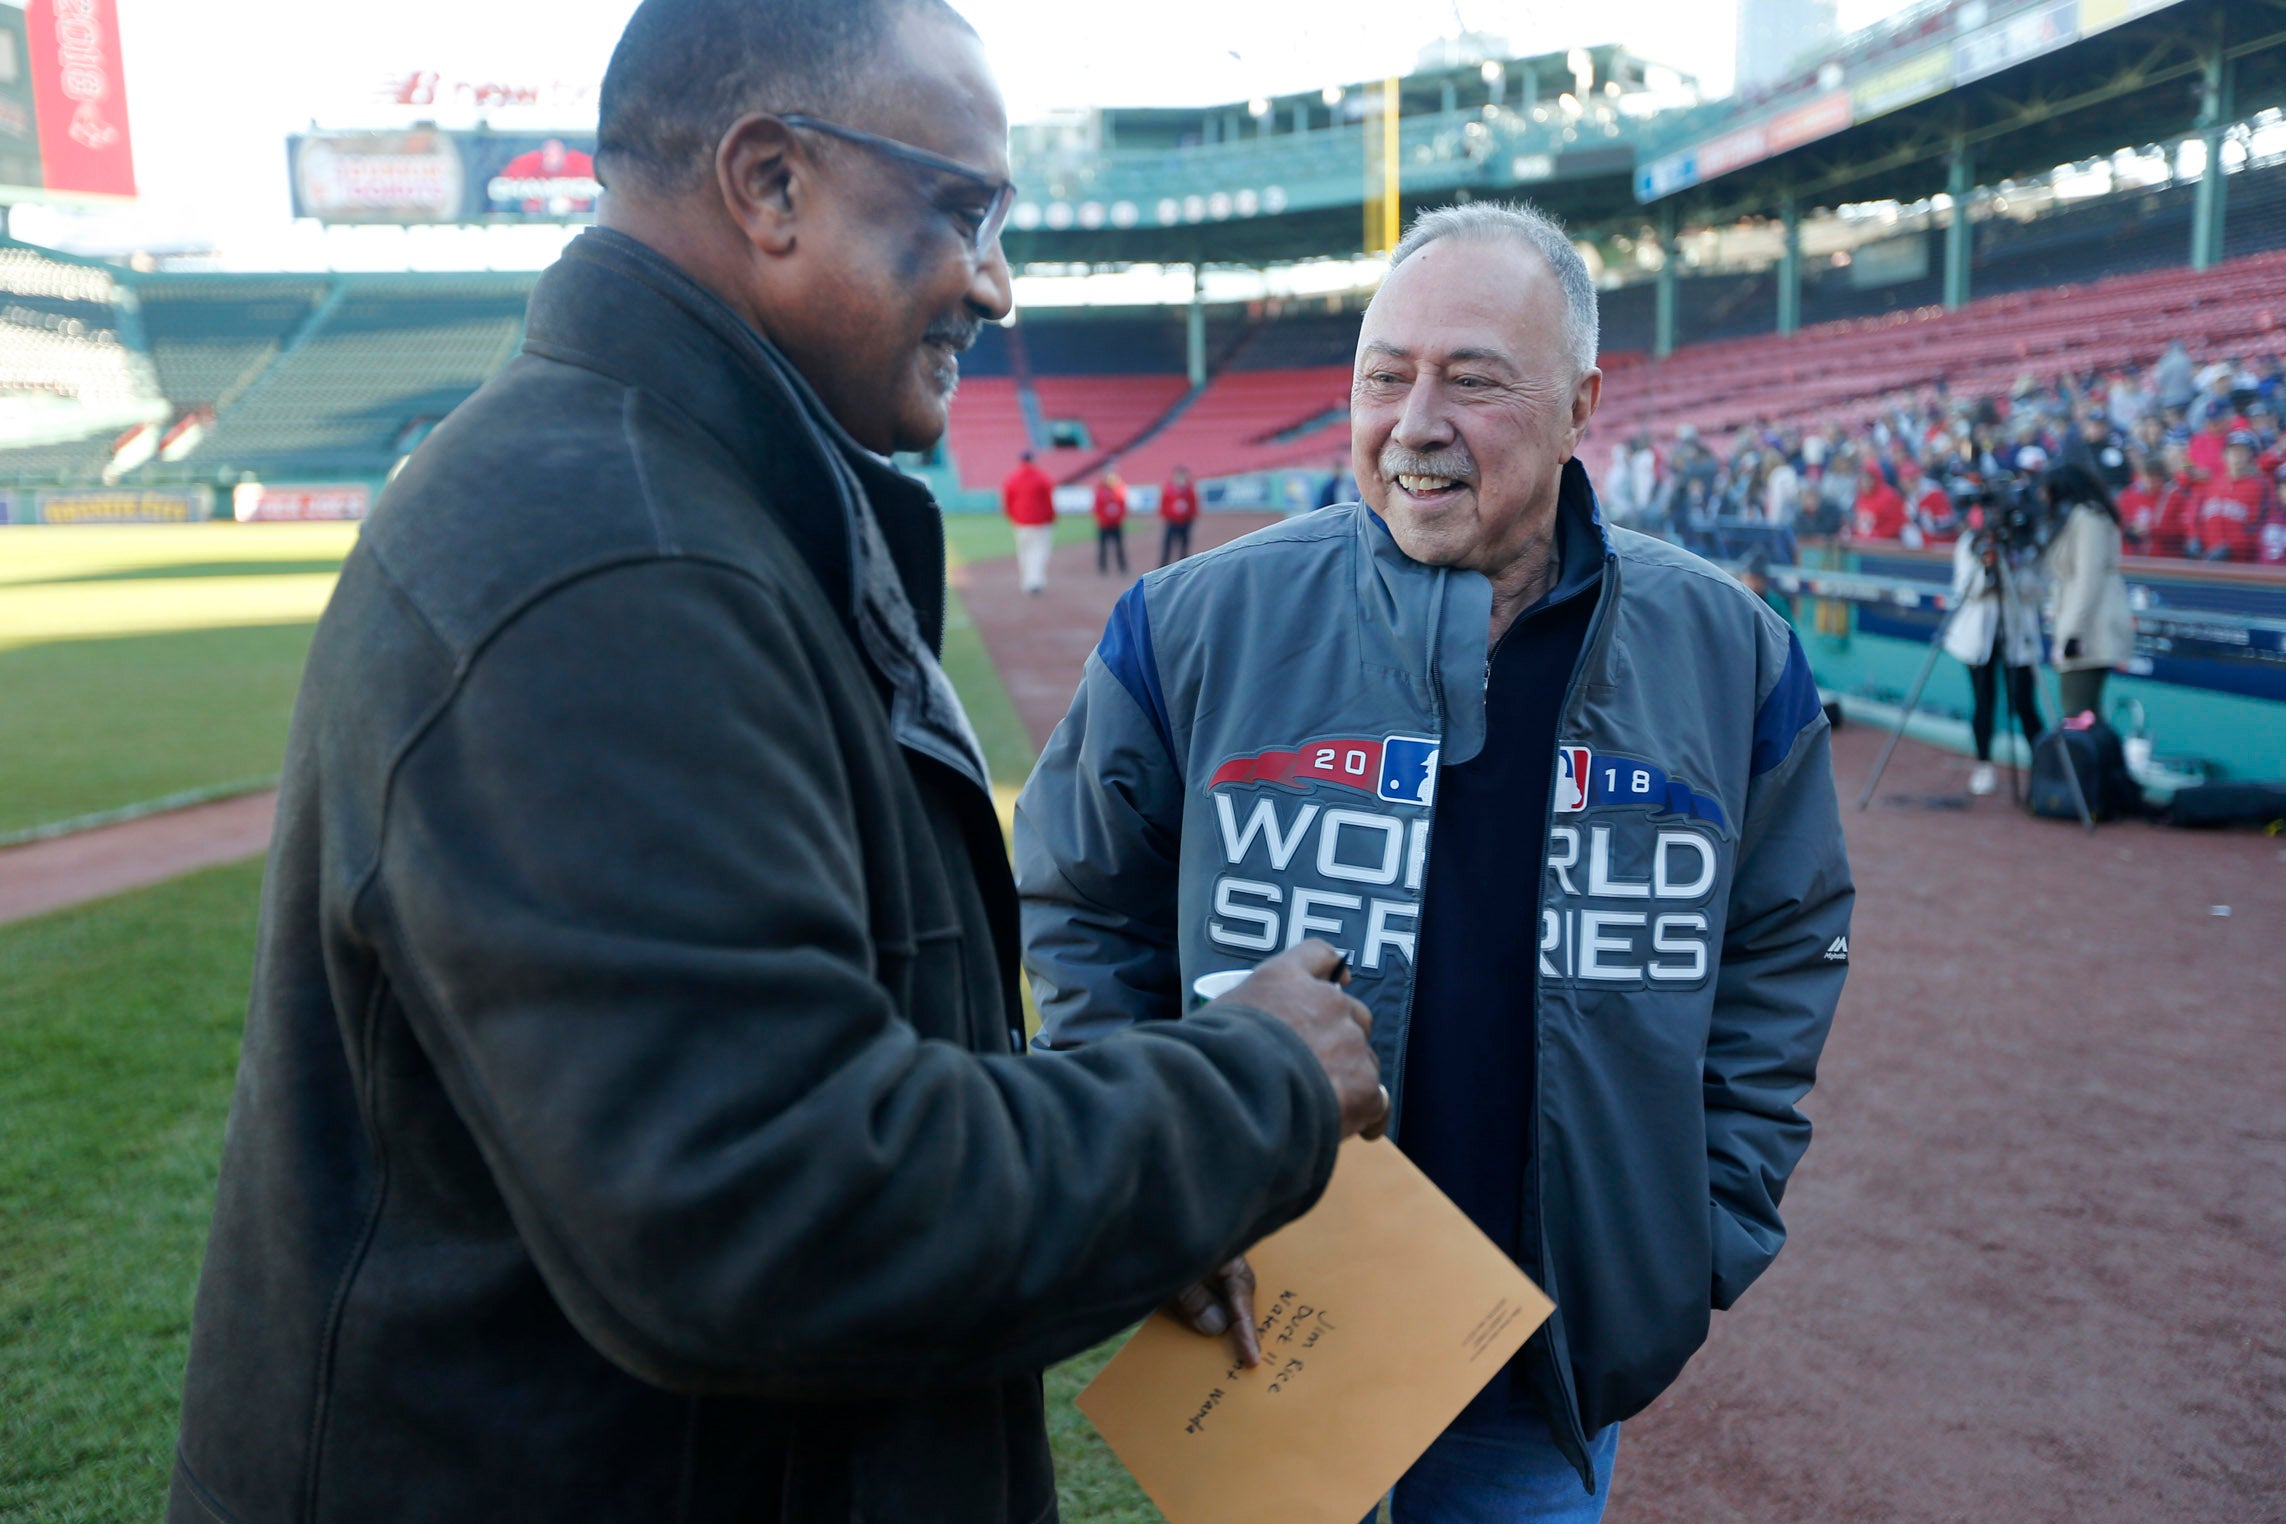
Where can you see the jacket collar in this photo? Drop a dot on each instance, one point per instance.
(1454, 647)
(1581, 543)
(614, 305)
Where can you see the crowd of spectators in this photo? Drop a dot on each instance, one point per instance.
(2191, 456)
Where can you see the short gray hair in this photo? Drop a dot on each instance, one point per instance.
(1529, 225)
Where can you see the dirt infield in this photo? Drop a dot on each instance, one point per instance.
(2037, 1269)
(2037, 1258)
(89, 865)
(1039, 642)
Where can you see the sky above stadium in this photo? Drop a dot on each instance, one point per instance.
(215, 89)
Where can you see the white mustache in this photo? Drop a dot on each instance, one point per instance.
(1396, 463)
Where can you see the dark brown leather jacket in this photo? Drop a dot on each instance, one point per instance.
(629, 1125)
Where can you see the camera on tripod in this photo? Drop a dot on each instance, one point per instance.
(2007, 516)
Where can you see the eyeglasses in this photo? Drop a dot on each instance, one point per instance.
(1002, 193)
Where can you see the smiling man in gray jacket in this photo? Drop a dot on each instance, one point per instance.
(1560, 792)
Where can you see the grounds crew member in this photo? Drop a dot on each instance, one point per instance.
(1110, 522)
(1028, 498)
(1178, 511)
(632, 1123)
(1560, 792)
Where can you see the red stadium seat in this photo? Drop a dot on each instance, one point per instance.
(1841, 372)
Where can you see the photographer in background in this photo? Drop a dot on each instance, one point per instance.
(1996, 589)
(2095, 631)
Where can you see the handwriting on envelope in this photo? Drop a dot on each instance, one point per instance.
(1381, 1313)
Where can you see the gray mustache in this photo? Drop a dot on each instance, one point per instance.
(955, 333)
(1400, 462)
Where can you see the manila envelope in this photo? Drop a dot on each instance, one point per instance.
(1381, 1313)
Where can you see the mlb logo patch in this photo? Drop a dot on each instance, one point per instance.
(1409, 770)
(1572, 778)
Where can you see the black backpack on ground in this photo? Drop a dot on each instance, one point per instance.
(2228, 804)
(2098, 760)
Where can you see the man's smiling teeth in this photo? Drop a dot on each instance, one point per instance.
(1419, 484)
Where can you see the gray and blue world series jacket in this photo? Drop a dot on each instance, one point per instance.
(1252, 759)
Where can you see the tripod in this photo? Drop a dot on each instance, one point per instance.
(2003, 584)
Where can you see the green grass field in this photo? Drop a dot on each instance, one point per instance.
(140, 663)
(119, 1031)
(137, 663)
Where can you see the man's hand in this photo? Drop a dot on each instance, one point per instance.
(1224, 1300)
(1302, 988)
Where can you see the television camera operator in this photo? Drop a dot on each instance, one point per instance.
(1995, 631)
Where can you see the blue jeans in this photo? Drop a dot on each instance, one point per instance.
(1503, 1470)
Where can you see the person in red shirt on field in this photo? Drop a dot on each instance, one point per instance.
(2232, 508)
(1880, 508)
(1029, 500)
(1178, 510)
(1110, 523)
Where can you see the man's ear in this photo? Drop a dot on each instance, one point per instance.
(764, 181)
(1585, 396)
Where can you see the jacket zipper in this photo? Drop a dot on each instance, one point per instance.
(1572, 1437)
(1428, 848)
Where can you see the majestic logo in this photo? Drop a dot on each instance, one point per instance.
(1839, 951)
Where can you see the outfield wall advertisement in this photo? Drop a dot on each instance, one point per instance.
(63, 102)
(430, 175)
(107, 505)
(264, 503)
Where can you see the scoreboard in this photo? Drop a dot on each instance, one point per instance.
(431, 176)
